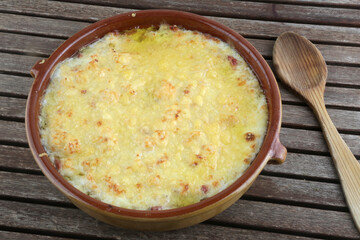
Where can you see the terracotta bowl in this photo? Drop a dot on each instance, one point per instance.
(271, 150)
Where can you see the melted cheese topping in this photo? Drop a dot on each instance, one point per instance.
(153, 118)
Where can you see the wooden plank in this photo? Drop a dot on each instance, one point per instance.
(37, 25)
(248, 28)
(290, 218)
(28, 236)
(57, 9)
(31, 187)
(296, 164)
(332, 3)
(293, 116)
(298, 220)
(237, 9)
(293, 191)
(343, 75)
(28, 44)
(12, 107)
(15, 63)
(19, 158)
(313, 141)
(302, 116)
(332, 54)
(305, 166)
(297, 191)
(12, 132)
(37, 217)
(15, 85)
(334, 96)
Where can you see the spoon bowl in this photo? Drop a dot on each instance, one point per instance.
(291, 62)
(301, 66)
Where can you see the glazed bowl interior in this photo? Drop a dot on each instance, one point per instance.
(143, 19)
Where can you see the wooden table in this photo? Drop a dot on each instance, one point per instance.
(300, 199)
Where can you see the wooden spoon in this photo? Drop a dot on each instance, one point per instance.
(301, 66)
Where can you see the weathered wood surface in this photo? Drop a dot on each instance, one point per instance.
(18, 158)
(73, 221)
(236, 9)
(299, 199)
(305, 166)
(295, 191)
(13, 132)
(248, 28)
(243, 213)
(16, 86)
(334, 3)
(27, 236)
(12, 107)
(290, 218)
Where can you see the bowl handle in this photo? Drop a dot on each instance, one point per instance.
(278, 153)
(37, 68)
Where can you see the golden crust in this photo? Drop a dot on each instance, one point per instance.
(153, 119)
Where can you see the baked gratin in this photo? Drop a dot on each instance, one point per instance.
(154, 118)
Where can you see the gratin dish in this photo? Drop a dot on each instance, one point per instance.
(271, 151)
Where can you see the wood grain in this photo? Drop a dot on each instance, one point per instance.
(290, 218)
(59, 220)
(12, 107)
(303, 117)
(243, 213)
(334, 97)
(266, 188)
(313, 141)
(333, 3)
(346, 164)
(13, 132)
(301, 66)
(14, 63)
(39, 26)
(299, 198)
(27, 236)
(19, 158)
(14, 85)
(28, 44)
(237, 9)
(248, 28)
(305, 166)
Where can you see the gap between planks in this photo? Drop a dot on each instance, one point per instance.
(270, 216)
(298, 165)
(241, 9)
(246, 27)
(352, 4)
(285, 191)
(294, 116)
(18, 44)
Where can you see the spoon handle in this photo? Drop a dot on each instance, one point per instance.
(345, 162)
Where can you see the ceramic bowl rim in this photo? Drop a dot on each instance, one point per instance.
(43, 72)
